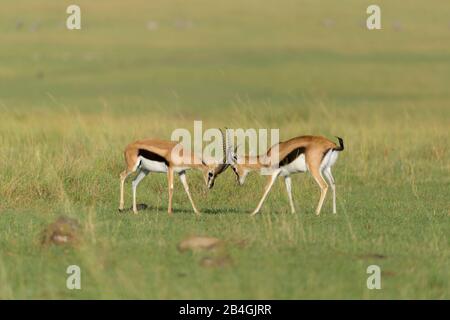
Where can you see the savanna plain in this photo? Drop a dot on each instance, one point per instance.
(70, 101)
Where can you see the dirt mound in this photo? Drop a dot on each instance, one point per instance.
(199, 243)
(64, 231)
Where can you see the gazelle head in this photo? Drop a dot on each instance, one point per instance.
(239, 170)
(211, 171)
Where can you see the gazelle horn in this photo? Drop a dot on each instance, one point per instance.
(223, 165)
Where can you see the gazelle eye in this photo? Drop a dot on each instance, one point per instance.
(210, 174)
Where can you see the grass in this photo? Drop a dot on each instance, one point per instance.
(71, 100)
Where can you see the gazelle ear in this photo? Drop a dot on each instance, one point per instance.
(233, 154)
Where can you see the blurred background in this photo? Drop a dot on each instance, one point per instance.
(187, 56)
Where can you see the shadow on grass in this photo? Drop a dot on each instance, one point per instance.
(144, 207)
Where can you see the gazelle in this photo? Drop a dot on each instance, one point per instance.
(169, 157)
(300, 154)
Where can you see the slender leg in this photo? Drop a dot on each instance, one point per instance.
(141, 175)
(170, 183)
(186, 188)
(269, 185)
(330, 179)
(287, 181)
(123, 177)
(315, 172)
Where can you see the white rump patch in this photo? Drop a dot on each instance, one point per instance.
(329, 160)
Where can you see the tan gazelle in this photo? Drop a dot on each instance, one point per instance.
(300, 154)
(154, 155)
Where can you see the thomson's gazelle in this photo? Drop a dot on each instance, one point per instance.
(306, 153)
(169, 157)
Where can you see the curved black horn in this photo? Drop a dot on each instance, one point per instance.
(223, 165)
(224, 146)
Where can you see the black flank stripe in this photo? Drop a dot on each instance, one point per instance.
(294, 154)
(152, 156)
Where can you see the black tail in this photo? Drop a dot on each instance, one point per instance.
(341, 145)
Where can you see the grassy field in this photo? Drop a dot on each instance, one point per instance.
(71, 100)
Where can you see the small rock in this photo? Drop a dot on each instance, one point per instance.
(196, 243)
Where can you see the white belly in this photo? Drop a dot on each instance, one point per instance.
(298, 165)
(153, 166)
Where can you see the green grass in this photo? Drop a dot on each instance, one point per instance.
(71, 100)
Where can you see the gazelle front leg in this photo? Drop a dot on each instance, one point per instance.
(141, 175)
(170, 185)
(287, 181)
(269, 185)
(186, 188)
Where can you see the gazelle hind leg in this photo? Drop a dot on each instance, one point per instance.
(186, 188)
(141, 175)
(170, 185)
(315, 172)
(330, 179)
(288, 182)
(269, 185)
